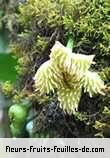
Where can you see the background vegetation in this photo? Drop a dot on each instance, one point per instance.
(34, 26)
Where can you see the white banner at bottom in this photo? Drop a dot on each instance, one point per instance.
(54, 148)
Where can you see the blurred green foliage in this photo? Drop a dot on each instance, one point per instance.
(7, 68)
(7, 62)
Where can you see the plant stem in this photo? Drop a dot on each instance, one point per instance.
(70, 43)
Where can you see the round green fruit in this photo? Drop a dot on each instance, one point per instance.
(17, 114)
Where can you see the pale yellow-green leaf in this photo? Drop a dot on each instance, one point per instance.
(47, 78)
(69, 99)
(93, 84)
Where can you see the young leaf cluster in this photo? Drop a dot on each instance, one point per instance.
(68, 72)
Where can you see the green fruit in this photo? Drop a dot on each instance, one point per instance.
(17, 114)
(16, 132)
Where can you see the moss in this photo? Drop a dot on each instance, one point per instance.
(105, 74)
